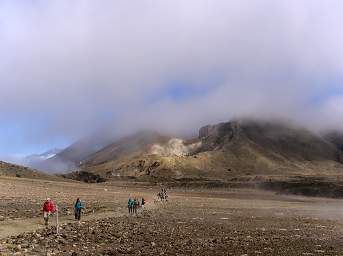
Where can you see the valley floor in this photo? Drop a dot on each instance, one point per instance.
(193, 222)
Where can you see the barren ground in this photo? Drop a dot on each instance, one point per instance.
(193, 222)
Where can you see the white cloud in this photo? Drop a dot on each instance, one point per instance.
(67, 64)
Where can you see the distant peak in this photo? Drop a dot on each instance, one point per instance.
(219, 129)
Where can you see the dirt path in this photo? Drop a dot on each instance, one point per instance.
(16, 227)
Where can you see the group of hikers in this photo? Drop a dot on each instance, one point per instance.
(49, 208)
(133, 204)
(162, 195)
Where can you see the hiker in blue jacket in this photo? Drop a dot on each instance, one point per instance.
(130, 205)
(78, 207)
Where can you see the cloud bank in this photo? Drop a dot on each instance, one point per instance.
(70, 67)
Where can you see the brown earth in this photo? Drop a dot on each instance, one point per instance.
(13, 170)
(193, 222)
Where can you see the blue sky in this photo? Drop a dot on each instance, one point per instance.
(14, 139)
(69, 68)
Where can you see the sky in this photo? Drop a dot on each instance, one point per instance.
(69, 68)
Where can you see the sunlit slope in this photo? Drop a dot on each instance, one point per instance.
(12, 170)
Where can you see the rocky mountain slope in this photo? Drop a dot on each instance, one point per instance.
(72, 156)
(12, 170)
(129, 146)
(39, 161)
(336, 138)
(225, 151)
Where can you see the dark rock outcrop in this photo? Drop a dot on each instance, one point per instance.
(84, 176)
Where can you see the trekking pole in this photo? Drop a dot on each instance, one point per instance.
(57, 231)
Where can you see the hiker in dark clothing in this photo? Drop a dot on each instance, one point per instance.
(135, 205)
(77, 208)
(143, 202)
(164, 194)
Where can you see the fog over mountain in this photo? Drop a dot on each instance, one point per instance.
(69, 68)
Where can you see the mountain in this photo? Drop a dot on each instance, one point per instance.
(37, 161)
(225, 151)
(48, 154)
(91, 150)
(336, 138)
(273, 140)
(72, 156)
(12, 170)
(129, 146)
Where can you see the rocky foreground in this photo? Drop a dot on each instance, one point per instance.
(176, 230)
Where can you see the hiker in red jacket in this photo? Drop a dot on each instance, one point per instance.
(48, 209)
